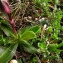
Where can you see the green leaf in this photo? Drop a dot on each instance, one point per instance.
(60, 45)
(2, 49)
(55, 36)
(52, 57)
(19, 61)
(30, 49)
(6, 27)
(6, 40)
(1, 39)
(42, 46)
(35, 29)
(21, 31)
(61, 28)
(2, 20)
(28, 35)
(53, 48)
(1, 31)
(7, 30)
(49, 29)
(7, 55)
(34, 60)
(56, 1)
(24, 43)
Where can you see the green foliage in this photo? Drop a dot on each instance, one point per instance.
(30, 49)
(42, 46)
(35, 29)
(34, 60)
(19, 60)
(7, 54)
(28, 35)
(37, 39)
(53, 48)
(22, 39)
(1, 39)
(49, 29)
(6, 27)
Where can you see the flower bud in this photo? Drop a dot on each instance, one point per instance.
(4, 6)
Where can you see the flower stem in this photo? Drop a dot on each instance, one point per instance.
(13, 25)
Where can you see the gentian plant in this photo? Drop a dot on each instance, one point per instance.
(41, 40)
(13, 38)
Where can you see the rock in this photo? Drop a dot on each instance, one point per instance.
(13, 61)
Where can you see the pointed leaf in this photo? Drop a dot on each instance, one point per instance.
(1, 39)
(30, 49)
(35, 29)
(60, 45)
(53, 48)
(28, 35)
(2, 49)
(7, 55)
(42, 46)
(7, 30)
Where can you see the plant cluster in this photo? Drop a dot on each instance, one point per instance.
(41, 42)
